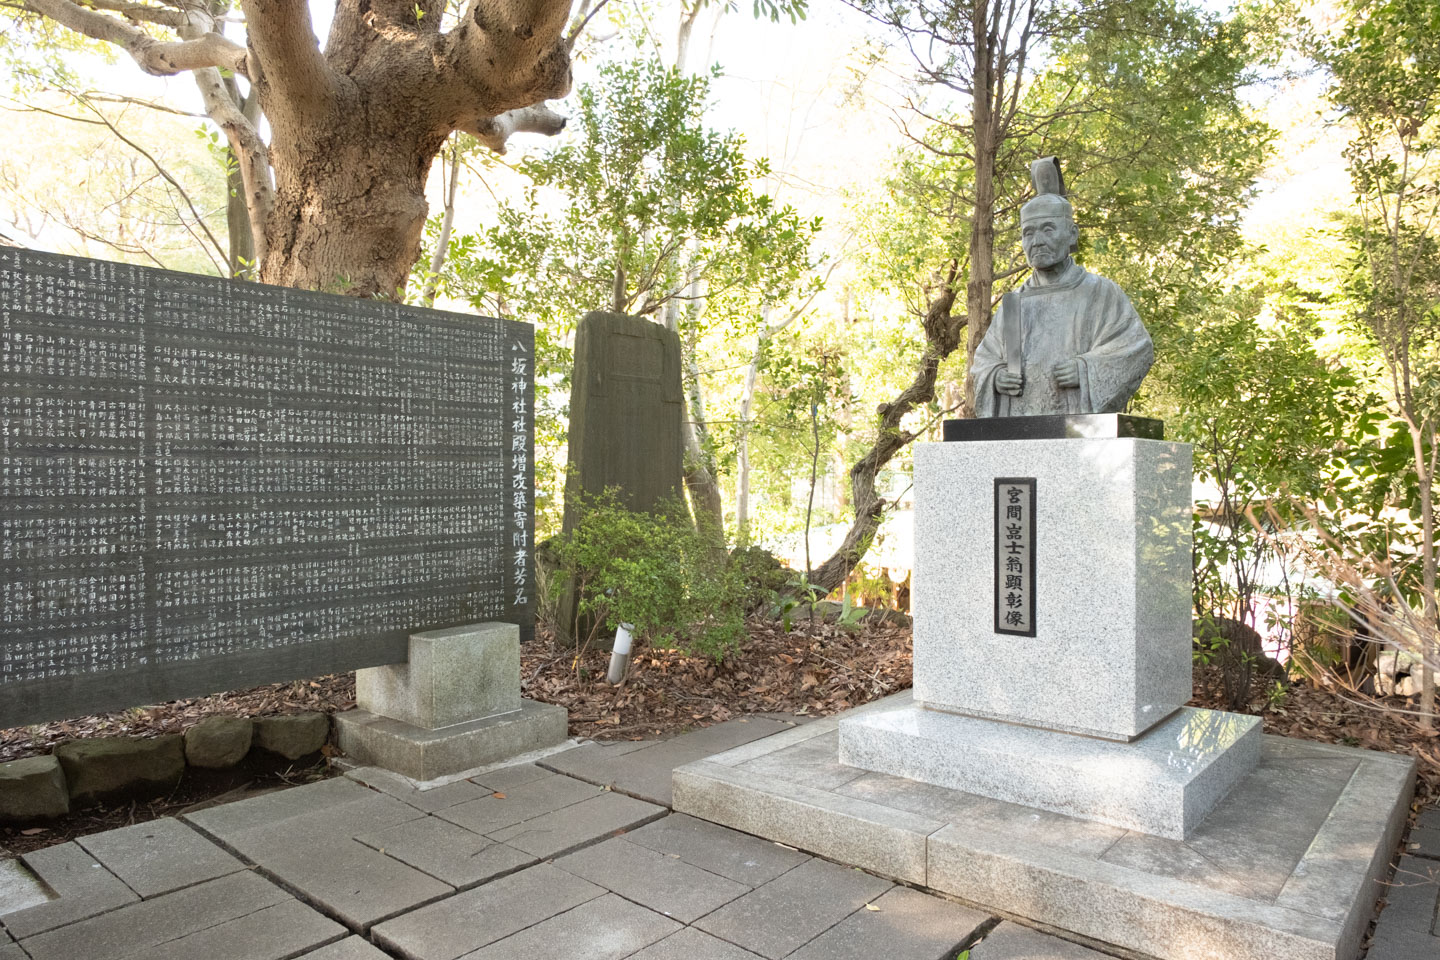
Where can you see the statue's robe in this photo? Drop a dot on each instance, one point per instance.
(1080, 317)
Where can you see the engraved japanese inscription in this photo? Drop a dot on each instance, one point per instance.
(1015, 555)
(208, 484)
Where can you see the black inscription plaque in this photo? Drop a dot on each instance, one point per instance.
(208, 484)
(1015, 555)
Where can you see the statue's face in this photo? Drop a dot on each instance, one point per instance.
(1047, 240)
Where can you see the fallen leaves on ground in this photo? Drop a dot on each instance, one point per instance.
(1350, 719)
(315, 694)
(808, 670)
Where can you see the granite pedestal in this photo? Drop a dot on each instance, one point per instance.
(454, 705)
(1074, 704)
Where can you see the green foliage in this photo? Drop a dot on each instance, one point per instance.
(642, 209)
(656, 572)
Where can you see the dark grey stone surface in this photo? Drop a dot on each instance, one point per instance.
(140, 927)
(720, 850)
(83, 887)
(625, 417)
(1010, 941)
(446, 852)
(665, 884)
(905, 924)
(646, 772)
(606, 928)
(107, 767)
(219, 741)
(351, 948)
(692, 944)
(459, 925)
(191, 458)
(159, 856)
(786, 913)
(31, 788)
(566, 829)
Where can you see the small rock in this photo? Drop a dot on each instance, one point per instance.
(218, 742)
(109, 767)
(31, 789)
(294, 736)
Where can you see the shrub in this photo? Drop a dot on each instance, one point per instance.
(653, 570)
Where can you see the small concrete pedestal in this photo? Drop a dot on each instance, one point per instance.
(454, 706)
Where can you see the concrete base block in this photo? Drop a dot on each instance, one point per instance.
(423, 754)
(450, 676)
(1288, 866)
(1164, 783)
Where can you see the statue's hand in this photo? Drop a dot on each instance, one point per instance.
(1067, 374)
(1010, 384)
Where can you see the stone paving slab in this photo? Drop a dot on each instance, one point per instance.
(1409, 921)
(274, 933)
(566, 829)
(351, 948)
(502, 779)
(159, 856)
(662, 883)
(711, 847)
(406, 790)
(351, 881)
(142, 927)
(646, 772)
(1425, 835)
(460, 925)
(607, 928)
(446, 852)
(83, 887)
(1010, 941)
(524, 801)
(692, 944)
(19, 888)
(9, 951)
(905, 925)
(783, 915)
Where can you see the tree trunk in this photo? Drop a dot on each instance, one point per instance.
(942, 337)
(1428, 652)
(241, 247)
(980, 284)
(700, 482)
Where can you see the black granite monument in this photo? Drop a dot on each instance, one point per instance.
(208, 484)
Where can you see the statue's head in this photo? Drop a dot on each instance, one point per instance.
(1047, 223)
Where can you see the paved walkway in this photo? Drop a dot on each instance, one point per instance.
(575, 856)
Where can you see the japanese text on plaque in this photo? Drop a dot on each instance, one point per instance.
(1015, 556)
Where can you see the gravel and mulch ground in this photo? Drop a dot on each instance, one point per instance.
(813, 670)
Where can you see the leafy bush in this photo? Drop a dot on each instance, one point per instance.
(653, 570)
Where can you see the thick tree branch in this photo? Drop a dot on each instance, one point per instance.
(510, 53)
(280, 32)
(158, 57)
(493, 132)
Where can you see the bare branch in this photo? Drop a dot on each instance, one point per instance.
(493, 132)
(158, 57)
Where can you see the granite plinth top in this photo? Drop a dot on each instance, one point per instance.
(1087, 426)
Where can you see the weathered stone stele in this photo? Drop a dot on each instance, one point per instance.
(625, 410)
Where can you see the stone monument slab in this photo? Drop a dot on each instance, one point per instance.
(211, 484)
(626, 407)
